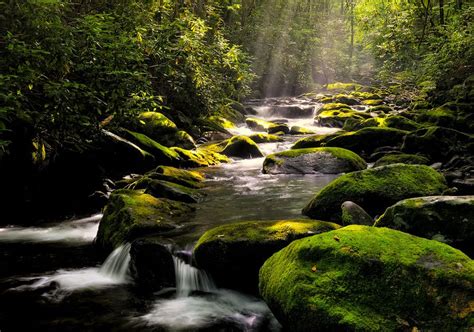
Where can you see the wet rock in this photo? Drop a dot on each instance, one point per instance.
(131, 214)
(353, 214)
(292, 112)
(411, 159)
(465, 186)
(265, 138)
(191, 179)
(151, 264)
(154, 124)
(341, 99)
(438, 143)
(337, 118)
(234, 253)
(242, 147)
(296, 130)
(315, 141)
(448, 219)
(365, 141)
(162, 154)
(173, 191)
(276, 128)
(373, 102)
(313, 160)
(361, 278)
(375, 189)
(200, 157)
(258, 124)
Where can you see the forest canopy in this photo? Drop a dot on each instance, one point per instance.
(68, 67)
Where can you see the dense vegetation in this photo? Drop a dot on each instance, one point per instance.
(72, 68)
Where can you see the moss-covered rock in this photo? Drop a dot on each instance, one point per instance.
(279, 128)
(402, 158)
(337, 118)
(265, 138)
(366, 95)
(361, 278)
(395, 121)
(258, 124)
(340, 86)
(234, 253)
(201, 157)
(315, 141)
(450, 115)
(291, 112)
(448, 219)
(439, 143)
(183, 177)
(242, 147)
(381, 109)
(334, 107)
(313, 160)
(162, 154)
(173, 191)
(154, 124)
(131, 214)
(375, 189)
(372, 102)
(353, 214)
(297, 130)
(365, 141)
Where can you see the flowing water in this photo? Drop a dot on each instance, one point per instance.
(51, 277)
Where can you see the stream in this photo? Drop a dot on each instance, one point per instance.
(51, 277)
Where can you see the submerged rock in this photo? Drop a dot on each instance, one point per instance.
(313, 160)
(361, 278)
(449, 219)
(411, 159)
(234, 253)
(242, 147)
(367, 140)
(151, 264)
(375, 189)
(131, 214)
(353, 214)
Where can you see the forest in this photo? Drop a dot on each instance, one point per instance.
(237, 165)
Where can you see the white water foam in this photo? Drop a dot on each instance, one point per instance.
(114, 271)
(190, 279)
(81, 230)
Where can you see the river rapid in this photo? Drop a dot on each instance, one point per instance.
(52, 278)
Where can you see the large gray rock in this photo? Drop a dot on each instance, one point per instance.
(313, 160)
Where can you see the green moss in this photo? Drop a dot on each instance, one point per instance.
(234, 253)
(372, 102)
(337, 118)
(335, 106)
(155, 123)
(361, 278)
(381, 108)
(200, 157)
(180, 174)
(444, 218)
(411, 159)
(130, 214)
(241, 147)
(174, 191)
(315, 141)
(296, 130)
(265, 138)
(161, 153)
(223, 122)
(339, 86)
(258, 124)
(365, 141)
(375, 189)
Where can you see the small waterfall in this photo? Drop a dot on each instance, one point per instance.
(116, 265)
(189, 279)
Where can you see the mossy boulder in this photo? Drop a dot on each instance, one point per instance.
(265, 138)
(402, 158)
(450, 115)
(341, 86)
(394, 121)
(234, 253)
(334, 107)
(154, 124)
(366, 95)
(191, 179)
(448, 219)
(375, 189)
(151, 264)
(297, 130)
(372, 102)
(365, 141)
(173, 191)
(314, 141)
(131, 214)
(361, 278)
(242, 147)
(279, 128)
(337, 118)
(162, 154)
(381, 109)
(313, 160)
(439, 143)
(345, 99)
(258, 124)
(353, 214)
(200, 157)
